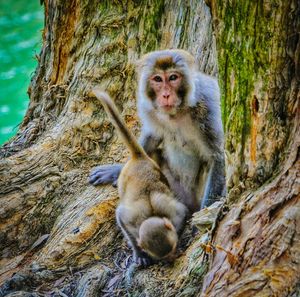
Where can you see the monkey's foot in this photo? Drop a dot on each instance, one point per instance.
(143, 260)
(105, 174)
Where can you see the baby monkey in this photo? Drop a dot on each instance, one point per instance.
(148, 214)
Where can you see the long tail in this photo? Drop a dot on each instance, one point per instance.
(134, 147)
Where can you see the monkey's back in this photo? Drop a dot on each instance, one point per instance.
(138, 179)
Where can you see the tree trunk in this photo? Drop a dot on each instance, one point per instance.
(257, 244)
(58, 234)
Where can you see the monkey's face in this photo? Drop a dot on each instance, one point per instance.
(158, 238)
(165, 88)
(166, 251)
(166, 80)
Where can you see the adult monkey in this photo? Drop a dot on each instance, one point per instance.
(179, 109)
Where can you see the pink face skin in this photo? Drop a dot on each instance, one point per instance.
(165, 84)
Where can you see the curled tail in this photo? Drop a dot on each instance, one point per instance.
(134, 147)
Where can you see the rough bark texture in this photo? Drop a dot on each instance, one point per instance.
(58, 234)
(44, 169)
(257, 244)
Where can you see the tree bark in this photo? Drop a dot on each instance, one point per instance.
(257, 247)
(58, 234)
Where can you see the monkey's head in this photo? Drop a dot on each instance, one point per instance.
(166, 80)
(158, 238)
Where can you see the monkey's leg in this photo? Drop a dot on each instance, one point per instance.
(182, 214)
(216, 183)
(139, 257)
(188, 199)
(165, 205)
(105, 174)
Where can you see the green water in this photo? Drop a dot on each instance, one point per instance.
(21, 23)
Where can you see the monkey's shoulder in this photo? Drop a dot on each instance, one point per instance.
(204, 80)
(206, 88)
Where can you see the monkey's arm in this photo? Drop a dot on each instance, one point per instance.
(105, 174)
(216, 184)
(149, 143)
(207, 112)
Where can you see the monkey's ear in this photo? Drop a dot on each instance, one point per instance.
(168, 224)
(188, 58)
(191, 61)
(139, 243)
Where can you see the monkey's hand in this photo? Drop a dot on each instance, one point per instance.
(142, 259)
(105, 174)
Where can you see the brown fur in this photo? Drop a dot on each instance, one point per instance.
(164, 63)
(144, 194)
(181, 127)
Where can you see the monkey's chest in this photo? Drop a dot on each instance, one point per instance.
(182, 160)
(185, 139)
(183, 136)
(185, 150)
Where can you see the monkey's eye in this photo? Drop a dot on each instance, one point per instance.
(173, 77)
(157, 78)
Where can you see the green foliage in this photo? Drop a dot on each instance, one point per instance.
(243, 51)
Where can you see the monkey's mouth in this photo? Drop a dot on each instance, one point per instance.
(169, 109)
